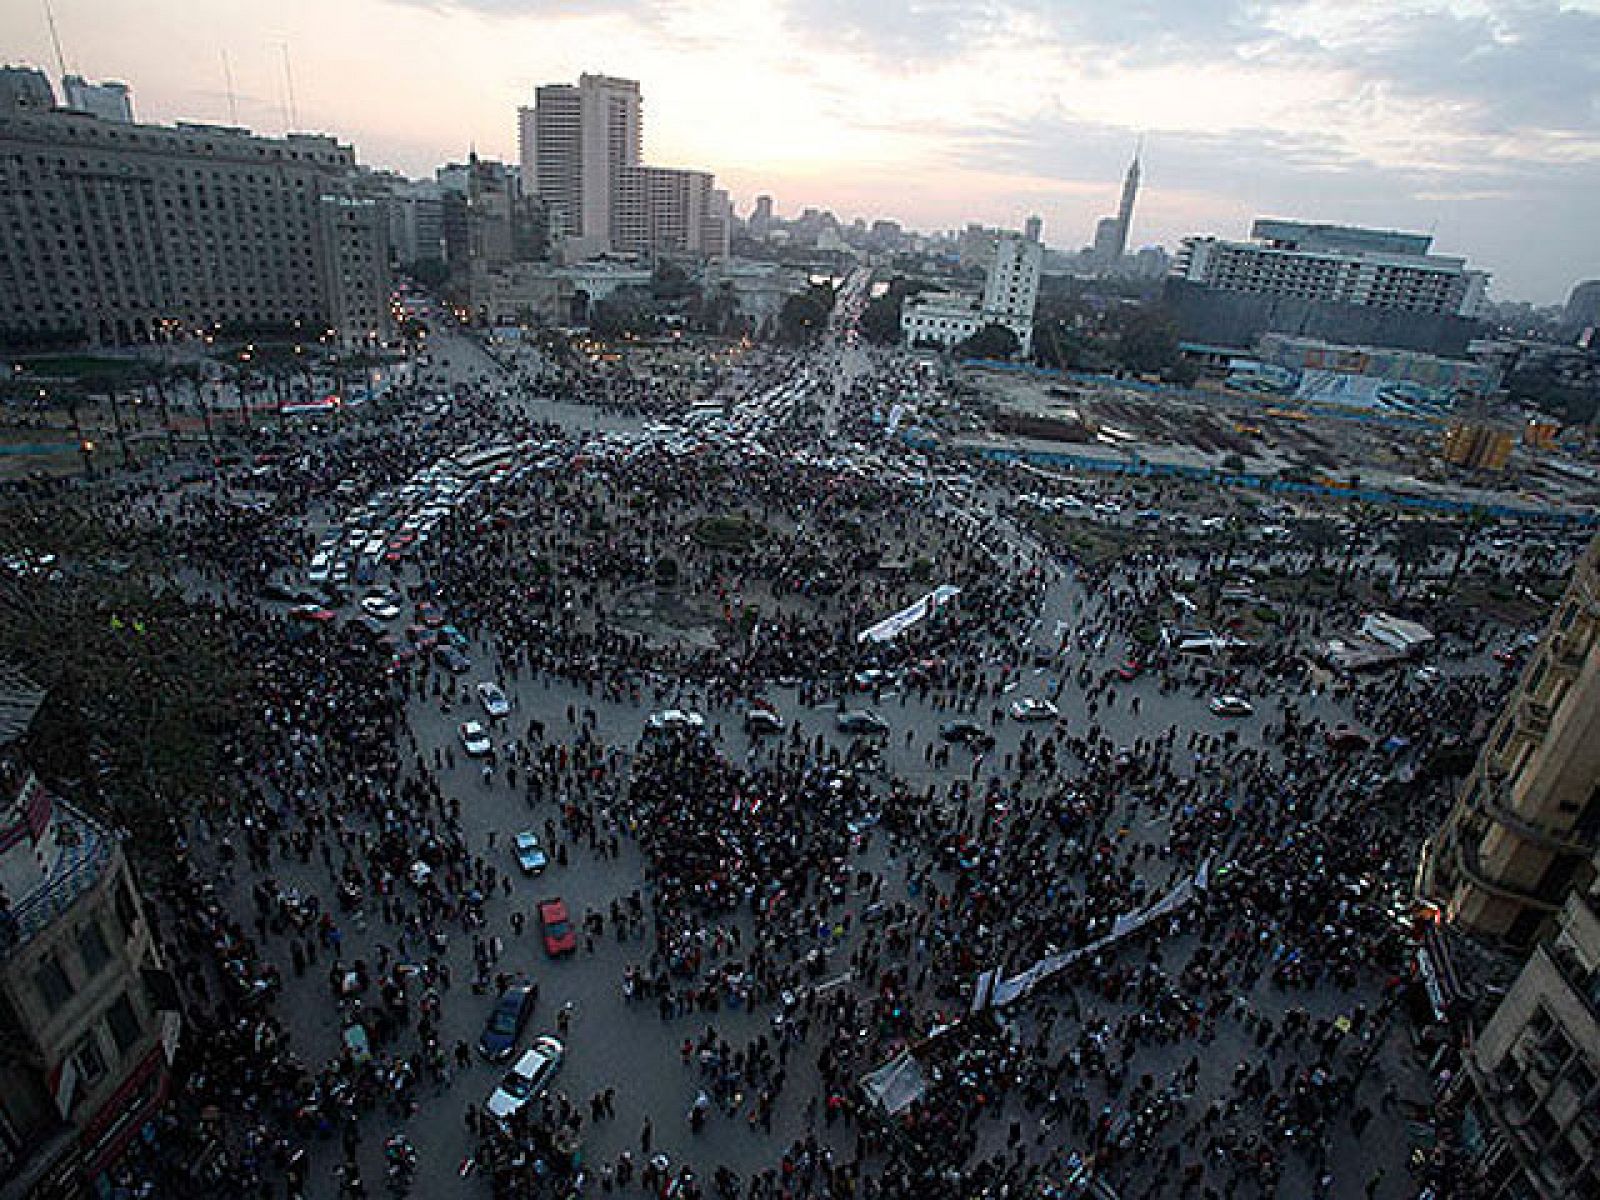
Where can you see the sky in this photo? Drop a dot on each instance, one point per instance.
(1475, 120)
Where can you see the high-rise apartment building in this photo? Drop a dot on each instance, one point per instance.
(576, 143)
(664, 209)
(1532, 1078)
(1033, 228)
(1527, 820)
(1010, 292)
(761, 218)
(88, 1017)
(109, 101)
(113, 232)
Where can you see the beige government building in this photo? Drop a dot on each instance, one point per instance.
(113, 232)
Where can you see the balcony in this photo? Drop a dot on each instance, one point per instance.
(1493, 799)
(1471, 867)
(1533, 716)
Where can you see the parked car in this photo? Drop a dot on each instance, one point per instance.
(507, 1020)
(555, 923)
(380, 606)
(475, 739)
(1031, 709)
(493, 699)
(1347, 740)
(962, 730)
(530, 855)
(527, 1079)
(861, 722)
(452, 660)
(312, 614)
(1231, 706)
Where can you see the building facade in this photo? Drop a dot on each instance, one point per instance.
(115, 233)
(576, 143)
(1335, 264)
(1010, 293)
(88, 1016)
(1526, 823)
(1532, 1111)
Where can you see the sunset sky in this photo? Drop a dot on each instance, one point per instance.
(1477, 121)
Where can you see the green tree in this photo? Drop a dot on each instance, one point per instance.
(804, 316)
(1147, 341)
(992, 341)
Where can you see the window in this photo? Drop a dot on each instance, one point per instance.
(123, 1022)
(92, 945)
(90, 1061)
(50, 978)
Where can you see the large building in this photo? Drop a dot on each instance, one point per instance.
(1334, 282)
(1532, 1078)
(582, 156)
(1010, 292)
(88, 1018)
(667, 210)
(576, 144)
(113, 232)
(1526, 823)
(1583, 306)
(1111, 233)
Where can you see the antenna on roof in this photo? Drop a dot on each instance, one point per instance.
(55, 40)
(227, 78)
(288, 81)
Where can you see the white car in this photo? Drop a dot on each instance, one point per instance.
(380, 607)
(529, 1077)
(475, 739)
(674, 719)
(493, 699)
(1232, 706)
(1029, 709)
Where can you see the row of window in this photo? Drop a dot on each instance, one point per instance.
(52, 979)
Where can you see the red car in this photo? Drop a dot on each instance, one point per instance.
(556, 924)
(314, 613)
(1129, 669)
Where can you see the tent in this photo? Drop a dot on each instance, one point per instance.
(896, 1085)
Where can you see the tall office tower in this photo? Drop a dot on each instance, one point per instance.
(1130, 193)
(761, 218)
(108, 101)
(1033, 228)
(575, 143)
(1012, 286)
(1527, 820)
(116, 233)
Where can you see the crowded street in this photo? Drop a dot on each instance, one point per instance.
(637, 799)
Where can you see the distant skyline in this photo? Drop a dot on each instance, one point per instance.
(1475, 120)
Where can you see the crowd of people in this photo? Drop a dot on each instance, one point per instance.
(802, 912)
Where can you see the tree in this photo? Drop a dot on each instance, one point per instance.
(880, 319)
(992, 341)
(1147, 341)
(804, 316)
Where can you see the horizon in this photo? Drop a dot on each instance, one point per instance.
(1375, 116)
